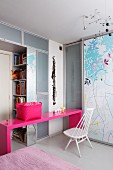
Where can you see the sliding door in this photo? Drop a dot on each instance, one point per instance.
(98, 86)
(73, 76)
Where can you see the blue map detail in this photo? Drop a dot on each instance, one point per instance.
(93, 60)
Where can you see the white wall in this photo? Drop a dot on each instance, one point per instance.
(56, 126)
(6, 85)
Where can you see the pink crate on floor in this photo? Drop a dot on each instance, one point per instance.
(29, 111)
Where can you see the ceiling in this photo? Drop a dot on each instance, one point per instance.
(58, 20)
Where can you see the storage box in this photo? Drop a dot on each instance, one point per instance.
(29, 111)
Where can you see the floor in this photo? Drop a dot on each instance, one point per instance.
(98, 158)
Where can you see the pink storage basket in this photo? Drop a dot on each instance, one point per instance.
(29, 111)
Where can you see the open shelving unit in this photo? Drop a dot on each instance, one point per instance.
(19, 89)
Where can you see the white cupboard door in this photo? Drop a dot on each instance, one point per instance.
(4, 85)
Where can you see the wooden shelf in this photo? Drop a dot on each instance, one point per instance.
(20, 65)
(17, 95)
(19, 80)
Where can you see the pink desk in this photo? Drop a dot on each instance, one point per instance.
(7, 125)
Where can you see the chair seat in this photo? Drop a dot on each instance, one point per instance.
(75, 133)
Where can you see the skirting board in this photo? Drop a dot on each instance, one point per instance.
(55, 134)
(46, 137)
(98, 141)
(41, 139)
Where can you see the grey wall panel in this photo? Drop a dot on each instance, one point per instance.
(73, 76)
(42, 128)
(9, 33)
(36, 42)
(44, 99)
(42, 90)
(42, 72)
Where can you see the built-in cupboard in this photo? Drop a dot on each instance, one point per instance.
(36, 70)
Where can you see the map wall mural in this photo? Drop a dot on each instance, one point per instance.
(98, 86)
(31, 77)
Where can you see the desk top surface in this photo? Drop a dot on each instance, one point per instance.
(15, 123)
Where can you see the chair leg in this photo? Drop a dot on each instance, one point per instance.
(68, 144)
(89, 141)
(78, 147)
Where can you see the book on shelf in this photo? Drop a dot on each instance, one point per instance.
(20, 61)
(24, 59)
(21, 88)
(16, 58)
(19, 58)
(18, 89)
(20, 99)
(22, 74)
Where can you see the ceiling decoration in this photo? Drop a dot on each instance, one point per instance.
(98, 18)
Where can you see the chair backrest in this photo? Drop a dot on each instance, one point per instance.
(84, 122)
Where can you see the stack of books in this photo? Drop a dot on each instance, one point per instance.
(19, 58)
(22, 74)
(21, 88)
(20, 99)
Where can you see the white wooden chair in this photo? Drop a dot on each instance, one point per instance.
(80, 132)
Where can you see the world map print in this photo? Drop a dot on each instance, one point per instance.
(31, 77)
(98, 86)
